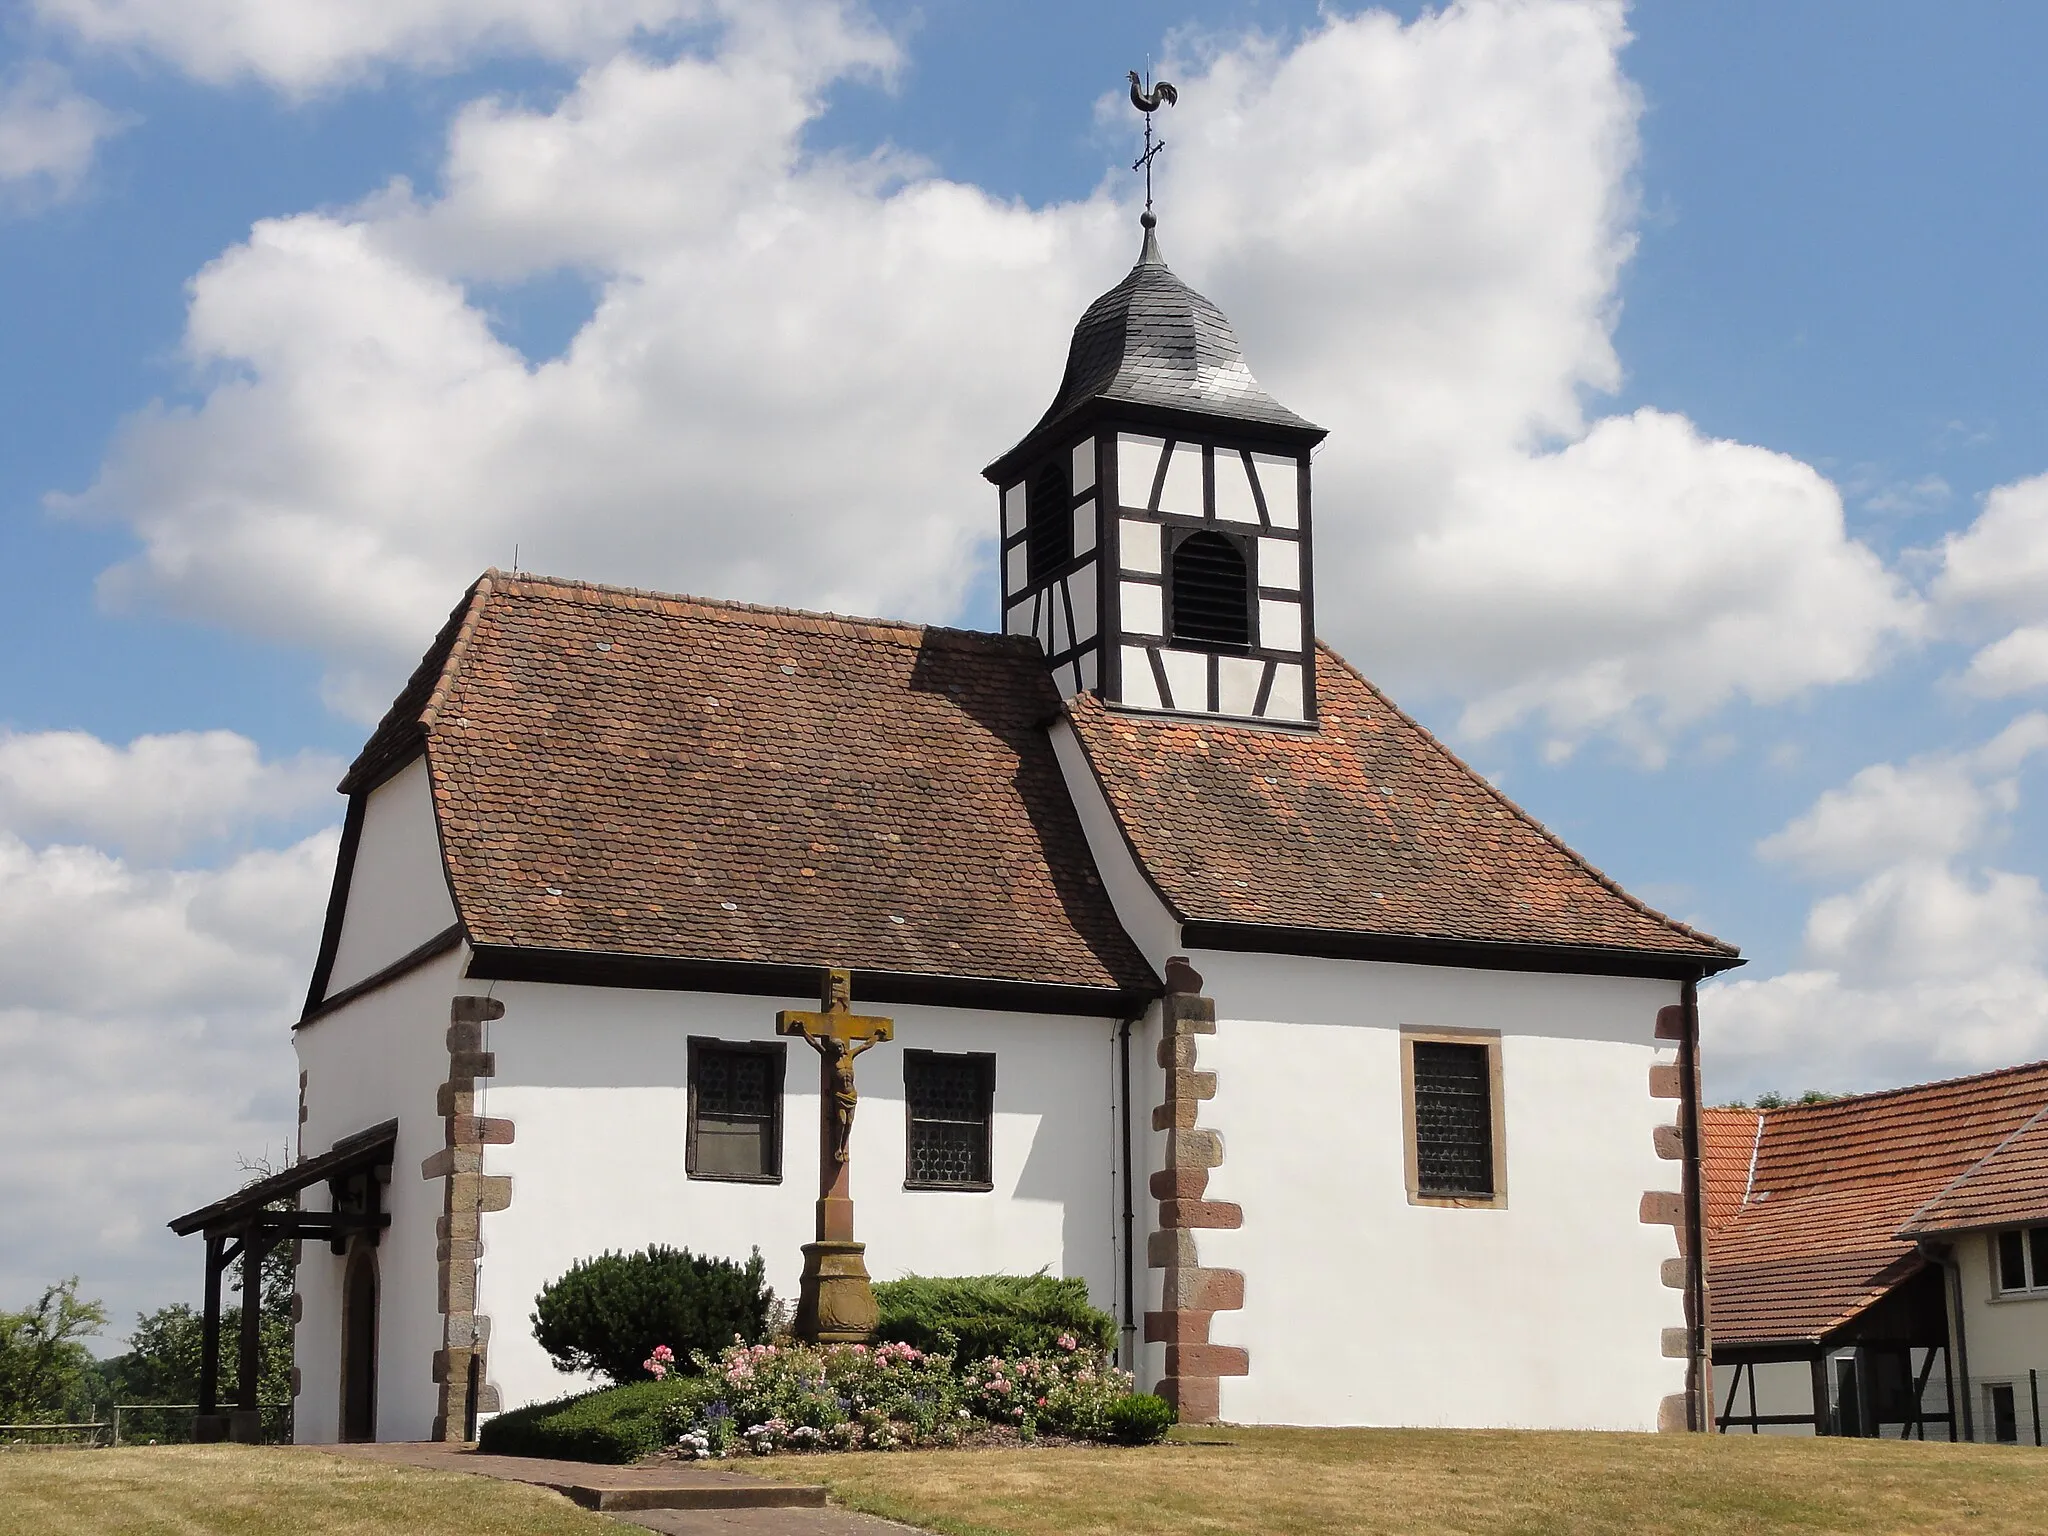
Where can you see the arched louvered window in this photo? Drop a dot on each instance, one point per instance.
(1049, 522)
(1212, 605)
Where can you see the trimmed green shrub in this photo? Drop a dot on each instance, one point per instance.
(616, 1425)
(1140, 1418)
(972, 1317)
(608, 1313)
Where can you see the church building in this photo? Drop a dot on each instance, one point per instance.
(1217, 981)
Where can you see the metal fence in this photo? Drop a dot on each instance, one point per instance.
(2007, 1410)
(17, 1437)
(140, 1424)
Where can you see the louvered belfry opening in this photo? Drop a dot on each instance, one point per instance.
(1211, 594)
(1049, 522)
(1453, 1120)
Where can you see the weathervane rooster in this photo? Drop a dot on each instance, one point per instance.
(1149, 102)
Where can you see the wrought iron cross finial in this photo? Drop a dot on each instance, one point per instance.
(1147, 100)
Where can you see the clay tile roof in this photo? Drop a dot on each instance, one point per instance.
(2005, 1187)
(1834, 1195)
(627, 773)
(1728, 1139)
(1366, 826)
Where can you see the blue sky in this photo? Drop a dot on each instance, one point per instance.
(1830, 214)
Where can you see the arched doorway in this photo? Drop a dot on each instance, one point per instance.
(359, 1343)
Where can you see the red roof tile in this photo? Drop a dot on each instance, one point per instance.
(1727, 1142)
(1820, 1233)
(626, 773)
(1367, 825)
(2006, 1187)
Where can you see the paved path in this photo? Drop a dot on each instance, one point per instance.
(765, 1522)
(677, 1499)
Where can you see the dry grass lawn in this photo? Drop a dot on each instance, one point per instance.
(186, 1490)
(1271, 1482)
(1286, 1482)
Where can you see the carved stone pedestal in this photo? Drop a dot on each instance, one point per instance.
(834, 1302)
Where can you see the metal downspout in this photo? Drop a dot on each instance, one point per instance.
(1130, 1214)
(1699, 1405)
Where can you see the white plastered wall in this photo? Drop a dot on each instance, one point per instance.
(1359, 1307)
(378, 1058)
(594, 1081)
(397, 892)
(2006, 1336)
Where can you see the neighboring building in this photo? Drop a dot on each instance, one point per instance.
(1353, 1093)
(1876, 1259)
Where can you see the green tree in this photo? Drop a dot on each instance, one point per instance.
(164, 1348)
(46, 1372)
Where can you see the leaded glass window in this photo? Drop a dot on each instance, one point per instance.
(951, 1102)
(735, 1111)
(1453, 1120)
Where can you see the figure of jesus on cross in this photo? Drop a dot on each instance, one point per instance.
(834, 1301)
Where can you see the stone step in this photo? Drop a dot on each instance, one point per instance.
(736, 1494)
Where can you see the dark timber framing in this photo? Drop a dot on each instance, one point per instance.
(437, 946)
(751, 978)
(242, 1226)
(1469, 954)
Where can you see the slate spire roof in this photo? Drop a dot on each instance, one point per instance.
(1154, 345)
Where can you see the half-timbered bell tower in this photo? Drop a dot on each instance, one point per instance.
(1155, 523)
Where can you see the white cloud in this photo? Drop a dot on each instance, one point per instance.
(1935, 963)
(145, 1008)
(1997, 570)
(146, 1031)
(48, 133)
(307, 44)
(797, 364)
(1933, 808)
(159, 795)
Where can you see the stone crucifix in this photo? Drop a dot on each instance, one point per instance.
(835, 1303)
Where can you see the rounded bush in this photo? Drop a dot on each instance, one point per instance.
(1140, 1419)
(608, 1313)
(974, 1316)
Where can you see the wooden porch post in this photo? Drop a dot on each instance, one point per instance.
(246, 1423)
(209, 1425)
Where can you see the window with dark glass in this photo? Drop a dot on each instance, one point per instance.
(1211, 593)
(735, 1129)
(2003, 1412)
(951, 1104)
(1453, 1120)
(1048, 522)
(2023, 1259)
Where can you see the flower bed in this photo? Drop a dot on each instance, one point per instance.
(767, 1399)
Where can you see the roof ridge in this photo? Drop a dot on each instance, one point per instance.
(1756, 1147)
(1601, 877)
(1848, 1100)
(522, 584)
(1942, 1193)
(474, 602)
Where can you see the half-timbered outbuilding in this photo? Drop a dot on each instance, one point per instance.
(1880, 1262)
